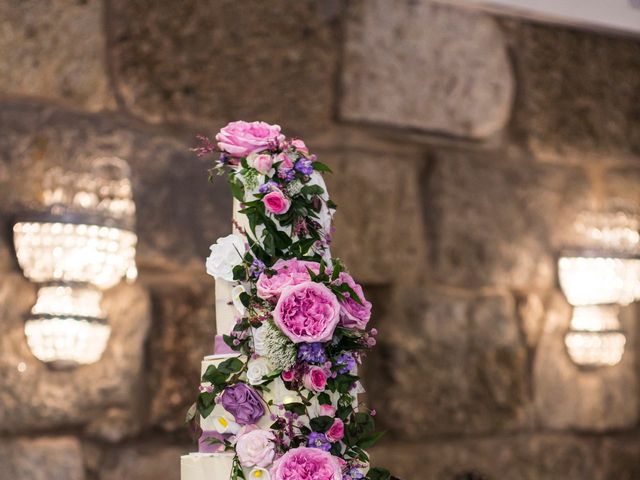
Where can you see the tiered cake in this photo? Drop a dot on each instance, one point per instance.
(278, 398)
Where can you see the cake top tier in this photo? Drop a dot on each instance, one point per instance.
(279, 185)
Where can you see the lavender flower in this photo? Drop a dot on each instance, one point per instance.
(267, 187)
(312, 353)
(256, 268)
(304, 166)
(347, 363)
(287, 175)
(318, 440)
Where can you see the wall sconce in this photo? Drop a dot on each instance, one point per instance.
(80, 242)
(597, 275)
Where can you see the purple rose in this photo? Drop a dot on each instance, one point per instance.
(352, 313)
(242, 401)
(239, 139)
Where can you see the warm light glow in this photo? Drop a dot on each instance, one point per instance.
(598, 280)
(65, 252)
(594, 338)
(80, 243)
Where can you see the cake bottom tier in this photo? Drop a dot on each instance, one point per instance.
(206, 466)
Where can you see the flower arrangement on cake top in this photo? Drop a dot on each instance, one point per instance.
(284, 401)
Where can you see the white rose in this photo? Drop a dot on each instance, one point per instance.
(226, 253)
(255, 448)
(258, 335)
(258, 368)
(235, 297)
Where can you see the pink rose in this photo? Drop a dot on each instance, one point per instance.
(288, 375)
(300, 145)
(275, 202)
(239, 139)
(336, 431)
(315, 379)
(352, 314)
(308, 312)
(288, 273)
(262, 162)
(327, 410)
(304, 463)
(255, 448)
(285, 162)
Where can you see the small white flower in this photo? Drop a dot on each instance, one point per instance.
(226, 253)
(235, 297)
(259, 335)
(257, 369)
(224, 425)
(258, 473)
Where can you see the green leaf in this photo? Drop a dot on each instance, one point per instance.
(296, 407)
(309, 190)
(214, 376)
(231, 365)
(321, 424)
(377, 473)
(369, 440)
(237, 190)
(321, 167)
(205, 403)
(245, 299)
(324, 399)
(191, 413)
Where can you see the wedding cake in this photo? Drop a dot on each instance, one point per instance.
(278, 398)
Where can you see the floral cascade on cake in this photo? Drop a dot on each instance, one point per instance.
(278, 399)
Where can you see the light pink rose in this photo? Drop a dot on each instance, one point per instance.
(300, 145)
(327, 410)
(352, 314)
(308, 312)
(262, 162)
(286, 162)
(239, 139)
(255, 448)
(288, 273)
(315, 379)
(276, 202)
(304, 463)
(336, 431)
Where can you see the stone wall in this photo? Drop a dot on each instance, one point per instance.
(465, 144)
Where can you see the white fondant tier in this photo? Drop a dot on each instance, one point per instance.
(225, 310)
(206, 466)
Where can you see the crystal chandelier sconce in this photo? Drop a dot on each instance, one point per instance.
(79, 242)
(600, 273)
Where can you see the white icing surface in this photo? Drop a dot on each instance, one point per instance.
(206, 466)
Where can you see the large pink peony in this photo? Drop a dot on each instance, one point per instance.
(304, 463)
(308, 312)
(239, 139)
(288, 273)
(354, 315)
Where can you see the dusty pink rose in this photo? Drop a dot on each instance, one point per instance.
(276, 202)
(326, 410)
(255, 448)
(288, 273)
(308, 312)
(304, 463)
(286, 162)
(336, 431)
(300, 145)
(239, 139)
(352, 314)
(262, 162)
(315, 379)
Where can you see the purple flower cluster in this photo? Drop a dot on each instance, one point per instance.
(312, 352)
(318, 440)
(353, 474)
(304, 166)
(267, 187)
(256, 268)
(346, 363)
